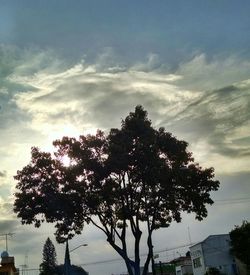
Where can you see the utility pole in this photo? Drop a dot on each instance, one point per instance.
(161, 268)
(6, 239)
(189, 236)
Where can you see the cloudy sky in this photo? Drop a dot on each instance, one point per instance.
(70, 67)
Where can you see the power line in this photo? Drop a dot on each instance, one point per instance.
(217, 202)
(220, 202)
(6, 239)
(141, 255)
(232, 201)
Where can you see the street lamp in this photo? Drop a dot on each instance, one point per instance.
(84, 244)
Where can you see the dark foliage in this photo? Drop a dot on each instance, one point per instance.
(240, 241)
(213, 271)
(133, 175)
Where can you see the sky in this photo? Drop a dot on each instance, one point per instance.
(71, 67)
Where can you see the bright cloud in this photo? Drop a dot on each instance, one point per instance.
(85, 97)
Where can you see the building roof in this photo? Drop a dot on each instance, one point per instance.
(208, 238)
(8, 262)
(180, 259)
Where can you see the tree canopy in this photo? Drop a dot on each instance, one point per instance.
(48, 265)
(240, 241)
(132, 175)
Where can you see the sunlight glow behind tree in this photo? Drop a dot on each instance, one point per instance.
(116, 182)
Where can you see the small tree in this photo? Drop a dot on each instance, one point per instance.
(48, 266)
(116, 182)
(240, 241)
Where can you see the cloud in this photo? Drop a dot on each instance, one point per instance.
(83, 94)
(221, 118)
(203, 73)
(3, 174)
(225, 113)
(8, 226)
(205, 101)
(6, 211)
(4, 188)
(188, 102)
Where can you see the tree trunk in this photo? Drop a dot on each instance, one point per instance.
(150, 253)
(137, 252)
(145, 268)
(131, 267)
(150, 247)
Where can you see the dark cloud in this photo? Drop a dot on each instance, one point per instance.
(3, 174)
(6, 207)
(203, 73)
(8, 226)
(10, 59)
(217, 116)
(14, 122)
(234, 183)
(97, 103)
(108, 111)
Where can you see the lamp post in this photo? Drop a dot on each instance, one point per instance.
(67, 262)
(84, 244)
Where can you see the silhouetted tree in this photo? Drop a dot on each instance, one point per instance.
(133, 175)
(48, 266)
(240, 241)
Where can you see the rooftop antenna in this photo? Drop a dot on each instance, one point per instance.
(6, 239)
(26, 260)
(23, 269)
(189, 236)
(25, 265)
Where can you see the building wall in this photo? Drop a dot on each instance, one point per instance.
(197, 258)
(216, 251)
(7, 265)
(187, 269)
(4, 269)
(184, 269)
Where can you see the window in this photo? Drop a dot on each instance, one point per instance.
(197, 262)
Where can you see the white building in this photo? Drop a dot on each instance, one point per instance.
(214, 251)
(183, 265)
(184, 269)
